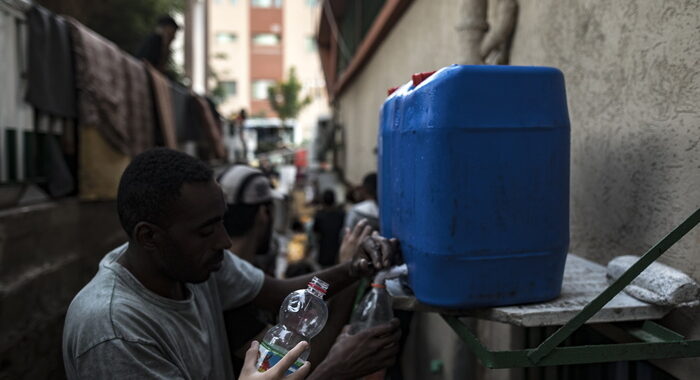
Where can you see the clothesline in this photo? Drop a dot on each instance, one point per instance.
(121, 105)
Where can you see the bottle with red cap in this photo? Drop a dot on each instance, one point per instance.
(302, 315)
(374, 309)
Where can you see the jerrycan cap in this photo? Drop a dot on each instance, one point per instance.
(420, 77)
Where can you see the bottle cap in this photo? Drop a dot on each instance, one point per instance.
(318, 284)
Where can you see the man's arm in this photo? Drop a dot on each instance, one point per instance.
(368, 255)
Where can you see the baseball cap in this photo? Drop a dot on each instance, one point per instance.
(243, 184)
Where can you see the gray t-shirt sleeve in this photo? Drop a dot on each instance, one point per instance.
(121, 359)
(238, 281)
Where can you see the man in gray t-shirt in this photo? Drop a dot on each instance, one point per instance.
(154, 308)
(115, 319)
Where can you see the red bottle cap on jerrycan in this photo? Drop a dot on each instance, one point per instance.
(420, 77)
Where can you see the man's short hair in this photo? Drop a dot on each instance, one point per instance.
(328, 198)
(166, 20)
(153, 182)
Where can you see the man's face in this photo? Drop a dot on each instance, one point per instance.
(194, 242)
(169, 33)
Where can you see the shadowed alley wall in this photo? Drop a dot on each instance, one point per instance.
(47, 253)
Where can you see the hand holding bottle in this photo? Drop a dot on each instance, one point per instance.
(357, 355)
(278, 371)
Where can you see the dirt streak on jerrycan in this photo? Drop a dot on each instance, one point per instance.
(474, 182)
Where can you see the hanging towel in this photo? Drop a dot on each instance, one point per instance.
(182, 108)
(210, 127)
(113, 92)
(100, 166)
(51, 87)
(140, 116)
(164, 106)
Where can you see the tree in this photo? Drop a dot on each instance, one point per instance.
(284, 97)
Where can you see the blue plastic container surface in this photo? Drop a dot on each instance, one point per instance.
(474, 182)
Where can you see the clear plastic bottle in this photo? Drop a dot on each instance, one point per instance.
(302, 315)
(374, 309)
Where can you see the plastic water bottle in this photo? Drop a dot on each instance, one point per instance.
(302, 315)
(374, 309)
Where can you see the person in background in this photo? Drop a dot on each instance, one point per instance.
(156, 48)
(328, 224)
(249, 220)
(368, 208)
(155, 307)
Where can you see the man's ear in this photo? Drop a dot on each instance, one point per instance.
(147, 235)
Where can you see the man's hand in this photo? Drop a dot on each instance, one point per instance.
(374, 253)
(249, 372)
(366, 352)
(353, 239)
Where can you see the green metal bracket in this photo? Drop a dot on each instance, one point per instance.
(658, 342)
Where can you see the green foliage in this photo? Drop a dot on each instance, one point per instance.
(125, 22)
(284, 97)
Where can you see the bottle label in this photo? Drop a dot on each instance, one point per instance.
(269, 356)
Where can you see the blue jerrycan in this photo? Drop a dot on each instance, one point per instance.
(474, 182)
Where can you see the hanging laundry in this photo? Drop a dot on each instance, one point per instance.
(140, 116)
(183, 108)
(51, 87)
(113, 94)
(211, 128)
(164, 106)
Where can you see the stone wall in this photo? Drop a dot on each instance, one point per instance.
(632, 71)
(633, 80)
(47, 253)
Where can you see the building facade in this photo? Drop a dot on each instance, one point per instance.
(253, 44)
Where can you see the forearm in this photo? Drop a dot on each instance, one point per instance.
(324, 372)
(274, 290)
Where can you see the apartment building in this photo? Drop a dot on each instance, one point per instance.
(254, 43)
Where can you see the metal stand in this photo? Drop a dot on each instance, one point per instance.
(657, 342)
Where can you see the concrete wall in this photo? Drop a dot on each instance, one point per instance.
(633, 82)
(48, 253)
(423, 40)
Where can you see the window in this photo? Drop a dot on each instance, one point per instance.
(266, 3)
(312, 3)
(266, 39)
(226, 37)
(229, 88)
(311, 44)
(260, 88)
